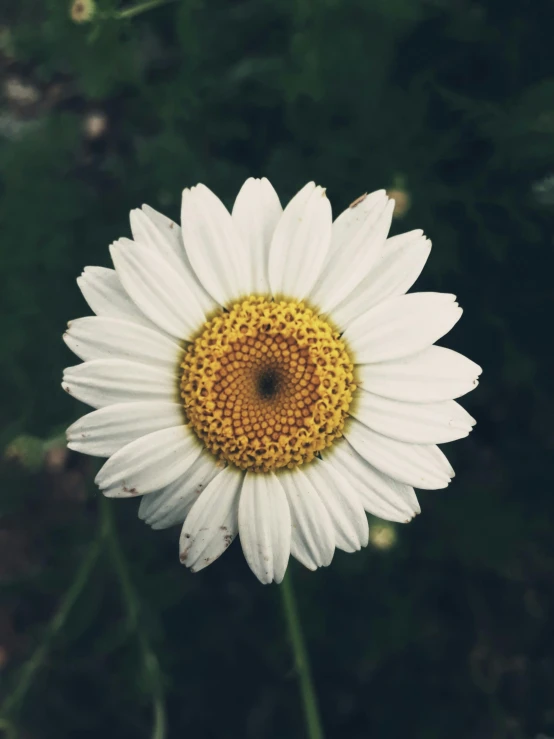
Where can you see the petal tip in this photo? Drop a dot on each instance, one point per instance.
(115, 250)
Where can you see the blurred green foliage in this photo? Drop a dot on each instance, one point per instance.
(447, 633)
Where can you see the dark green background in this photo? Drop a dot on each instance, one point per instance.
(449, 632)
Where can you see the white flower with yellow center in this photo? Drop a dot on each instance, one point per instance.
(263, 373)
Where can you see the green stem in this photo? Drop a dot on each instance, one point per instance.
(138, 9)
(38, 658)
(302, 663)
(8, 728)
(149, 658)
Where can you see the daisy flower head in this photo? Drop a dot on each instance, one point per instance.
(264, 373)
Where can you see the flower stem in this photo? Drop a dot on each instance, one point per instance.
(138, 9)
(302, 663)
(132, 604)
(37, 659)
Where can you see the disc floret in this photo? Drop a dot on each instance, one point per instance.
(267, 384)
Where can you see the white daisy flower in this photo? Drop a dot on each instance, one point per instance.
(264, 373)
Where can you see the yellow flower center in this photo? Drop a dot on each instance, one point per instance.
(267, 384)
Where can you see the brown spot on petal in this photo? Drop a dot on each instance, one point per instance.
(358, 200)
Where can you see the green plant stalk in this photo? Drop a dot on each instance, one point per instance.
(9, 729)
(140, 8)
(38, 658)
(307, 690)
(129, 596)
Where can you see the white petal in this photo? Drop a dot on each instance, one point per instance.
(94, 337)
(103, 432)
(103, 291)
(213, 245)
(343, 504)
(171, 505)
(413, 464)
(165, 238)
(265, 526)
(170, 230)
(159, 291)
(149, 232)
(313, 536)
(102, 382)
(300, 243)
(432, 375)
(380, 494)
(356, 256)
(348, 222)
(399, 264)
(441, 460)
(401, 326)
(212, 523)
(419, 423)
(256, 212)
(149, 463)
